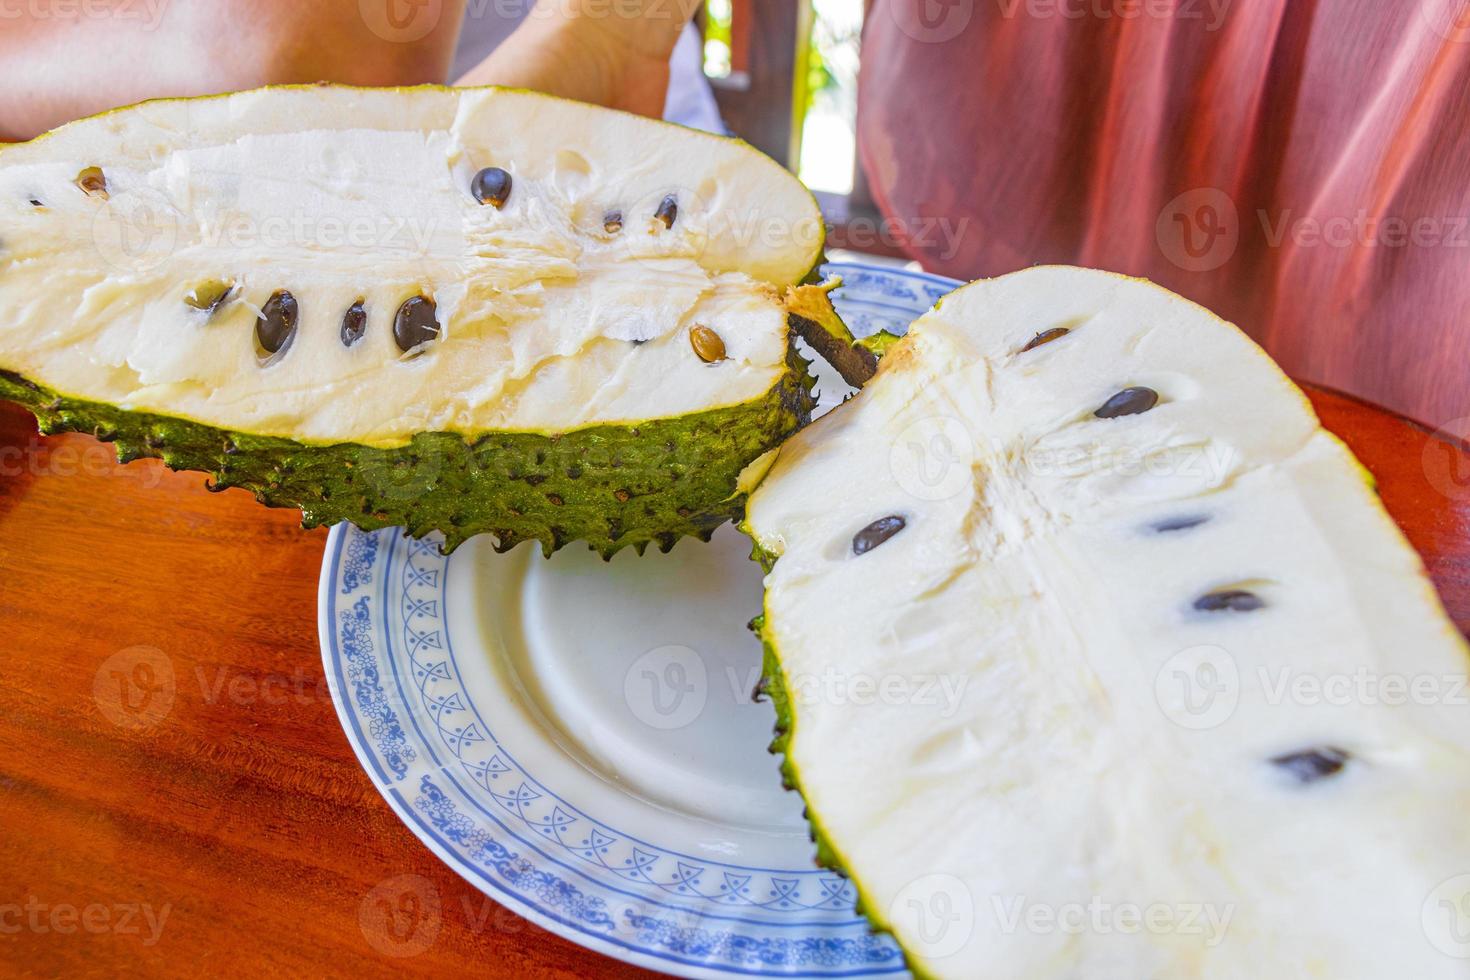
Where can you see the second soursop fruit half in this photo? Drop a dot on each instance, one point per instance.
(1093, 654)
(464, 311)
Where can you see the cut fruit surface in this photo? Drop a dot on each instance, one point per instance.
(355, 270)
(1096, 656)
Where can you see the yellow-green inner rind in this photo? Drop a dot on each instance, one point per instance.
(611, 485)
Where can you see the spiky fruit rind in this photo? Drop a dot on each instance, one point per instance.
(612, 485)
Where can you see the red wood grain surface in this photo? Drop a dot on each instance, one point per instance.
(176, 796)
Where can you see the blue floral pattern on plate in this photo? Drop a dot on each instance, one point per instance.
(390, 659)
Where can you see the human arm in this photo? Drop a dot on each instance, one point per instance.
(56, 66)
(609, 52)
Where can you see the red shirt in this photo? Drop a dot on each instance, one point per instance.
(1302, 167)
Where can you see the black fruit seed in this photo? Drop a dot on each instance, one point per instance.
(612, 222)
(1045, 337)
(1171, 524)
(668, 211)
(354, 324)
(416, 323)
(208, 297)
(1129, 401)
(1310, 765)
(876, 533)
(277, 323)
(1231, 600)
(491, 186)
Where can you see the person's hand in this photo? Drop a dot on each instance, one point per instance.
(611, 54)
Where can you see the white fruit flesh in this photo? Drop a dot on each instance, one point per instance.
(342, 195)
(1068, 771)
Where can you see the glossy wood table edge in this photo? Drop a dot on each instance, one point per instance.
(178, 796)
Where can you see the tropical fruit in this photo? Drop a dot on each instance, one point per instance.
(1097, 657)
(476, 310)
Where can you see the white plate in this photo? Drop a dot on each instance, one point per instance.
(578, 740)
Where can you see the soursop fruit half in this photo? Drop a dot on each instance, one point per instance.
(1097, 657)
(462, 310)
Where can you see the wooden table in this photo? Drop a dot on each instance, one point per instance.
(223, 800)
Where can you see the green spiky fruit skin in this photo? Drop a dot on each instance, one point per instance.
(773, 686)
(613, 486)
